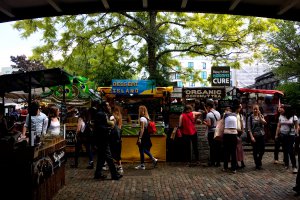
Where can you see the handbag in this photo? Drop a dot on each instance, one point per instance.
(178, 133)
(219, 131)
(173, 134)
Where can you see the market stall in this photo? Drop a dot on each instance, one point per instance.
(268, 101)
(194, 96)
(29, 170)
(76, 96)
(129, 95)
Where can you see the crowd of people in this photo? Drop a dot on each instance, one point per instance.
(234, 123)
(106, 139)
(98, 130)
(104, 135)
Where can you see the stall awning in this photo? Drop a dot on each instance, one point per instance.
(260, 91)
(33, 79)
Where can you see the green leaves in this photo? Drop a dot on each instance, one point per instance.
(120, 45)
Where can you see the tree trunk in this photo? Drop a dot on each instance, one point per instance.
(151, 40)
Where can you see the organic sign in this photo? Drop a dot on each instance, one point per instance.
(220, 76)
(212, 93)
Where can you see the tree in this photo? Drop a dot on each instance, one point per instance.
(25, 65)
(284, 54)
(149, 40)
(284, 49)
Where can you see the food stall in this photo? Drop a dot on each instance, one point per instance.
(78, 94)
(29, 170)
(268, 101)
(194, 96)
(129, 95)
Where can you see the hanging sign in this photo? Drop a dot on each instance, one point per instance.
(202, 92)
(220, 76)
(133, 87)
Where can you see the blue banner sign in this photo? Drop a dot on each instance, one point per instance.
(133, 87)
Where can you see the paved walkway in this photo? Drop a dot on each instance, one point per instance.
(176, 181)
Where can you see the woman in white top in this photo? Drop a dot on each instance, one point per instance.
(54, 123)
(240, 130)
(230, 138)
(144, 142)
(81, 138)
(287, 127)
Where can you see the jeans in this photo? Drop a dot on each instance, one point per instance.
(188, 140)
(230, 142)
(298, 173)
(258, 150)
(104, 154)
(288, 151)
(142, 150)
(278, 143)
(78, 148)
(214, 149)
(89, 151)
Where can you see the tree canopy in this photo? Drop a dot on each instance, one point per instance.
(119, 45)
(284, 54)
(284, 49)
(24, 65)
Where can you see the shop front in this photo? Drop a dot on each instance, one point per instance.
(195, 96)
(129, 95)
(31, 169)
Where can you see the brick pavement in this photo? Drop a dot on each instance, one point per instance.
(177, 181)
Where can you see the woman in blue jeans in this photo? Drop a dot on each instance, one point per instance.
(287, 128)
(144, 141)
(256, 123)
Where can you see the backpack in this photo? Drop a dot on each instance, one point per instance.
(215, 118)
(88, 130)
(151, 127)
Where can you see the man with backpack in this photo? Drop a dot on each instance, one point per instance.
(211, 119)
(103, 127)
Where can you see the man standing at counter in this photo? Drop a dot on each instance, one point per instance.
(103, 127)
(39, 122)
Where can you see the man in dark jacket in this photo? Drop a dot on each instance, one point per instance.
(103, 127)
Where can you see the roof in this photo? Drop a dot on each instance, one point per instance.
(260, 91)
(33, 79)
(12, 10)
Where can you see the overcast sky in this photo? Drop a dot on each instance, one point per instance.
(11, 44)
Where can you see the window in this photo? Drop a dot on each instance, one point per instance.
(203, 65)
(177, 76)
(191, 84)
(190, 64)
(203, 75)
(179, 83)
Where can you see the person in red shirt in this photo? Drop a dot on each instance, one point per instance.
(189, 132)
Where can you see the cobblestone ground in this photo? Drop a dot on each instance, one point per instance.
(177, 181)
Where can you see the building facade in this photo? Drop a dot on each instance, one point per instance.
(6, 70)
(242, 77)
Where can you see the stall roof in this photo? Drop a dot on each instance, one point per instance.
(260, 91)
(33, 79)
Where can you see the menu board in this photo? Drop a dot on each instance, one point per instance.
(71, 134)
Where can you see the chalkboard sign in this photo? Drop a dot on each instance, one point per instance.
(176, 108)
(224, 103)
(70, 137)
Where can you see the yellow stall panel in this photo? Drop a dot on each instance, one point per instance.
(130, 151)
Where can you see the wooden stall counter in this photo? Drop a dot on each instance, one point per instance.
(130, 151)
(49, 168)
(33, 172)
